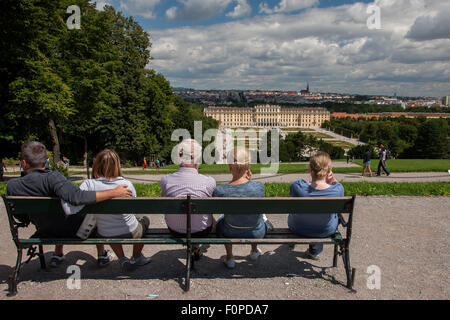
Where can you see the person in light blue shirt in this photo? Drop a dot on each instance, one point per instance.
(107, 175)
(323, 184)
(241, 225)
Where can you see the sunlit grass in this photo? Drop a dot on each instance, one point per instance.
(351, 188)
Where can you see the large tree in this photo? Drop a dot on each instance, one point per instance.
(34, 97)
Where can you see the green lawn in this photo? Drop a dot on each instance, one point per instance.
(351, 188)
(320, 135)
(394, 165)
(412, 165)
(341, 143)
(375, 189)
(397, 165)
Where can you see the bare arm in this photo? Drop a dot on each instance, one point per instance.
(330, 180)
(119, 192)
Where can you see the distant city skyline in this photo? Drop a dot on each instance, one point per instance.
(312, 90)
(282, 44)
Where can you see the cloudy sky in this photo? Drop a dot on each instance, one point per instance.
(282, 44)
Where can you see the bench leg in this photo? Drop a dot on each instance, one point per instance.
(348, 270)
(42, 257)
(188, 268)
(12, 288)
(335, 255)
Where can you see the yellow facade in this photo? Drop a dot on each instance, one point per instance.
(268, 116)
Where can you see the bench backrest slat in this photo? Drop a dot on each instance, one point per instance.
(33, 205)
(272, 205)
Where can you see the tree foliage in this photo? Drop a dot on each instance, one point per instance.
(405, 137)
(84, 89)
(299, 146)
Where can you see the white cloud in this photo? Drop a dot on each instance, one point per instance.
(197, 10)
(287, 6)
(242, 9)
(264, 8)
(143, 8)
(101, 4)
(332, 48)
(171, 13)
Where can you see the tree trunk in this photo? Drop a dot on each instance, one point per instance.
(86, 162)
(54, 134)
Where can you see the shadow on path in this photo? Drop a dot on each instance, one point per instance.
(170, 265)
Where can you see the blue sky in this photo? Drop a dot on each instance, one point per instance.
(160, 20)
(282, 44)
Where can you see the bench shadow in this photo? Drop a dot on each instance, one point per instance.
(169, 265)
(281, 262)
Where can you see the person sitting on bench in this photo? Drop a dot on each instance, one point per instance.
(323, 184)
(187, 181)
(240, 225)
(107, 175)
(40, 182)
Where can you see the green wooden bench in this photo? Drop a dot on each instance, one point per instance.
(16, 206)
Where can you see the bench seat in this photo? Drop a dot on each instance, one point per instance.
(162, 236)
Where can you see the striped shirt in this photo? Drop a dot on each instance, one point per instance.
(180, 184)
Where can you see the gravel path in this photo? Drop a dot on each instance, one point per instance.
(289, 178)
(406, 237)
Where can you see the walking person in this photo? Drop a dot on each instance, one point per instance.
(2, 169)
(382, 163)
(366, 162)
(145, 163)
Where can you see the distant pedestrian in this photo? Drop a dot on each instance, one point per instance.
(66, 161)
(145, 163)
(2, 169)
(348, 158)
(382, 163)
(157, 164)
(366, 162)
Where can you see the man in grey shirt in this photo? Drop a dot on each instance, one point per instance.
(36, 181)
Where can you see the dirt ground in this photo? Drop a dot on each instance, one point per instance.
(406, 237)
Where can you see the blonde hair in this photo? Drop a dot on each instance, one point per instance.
(107, 165)
(239, 161)
(320, 164)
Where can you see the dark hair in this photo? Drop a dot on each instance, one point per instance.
(34, 153)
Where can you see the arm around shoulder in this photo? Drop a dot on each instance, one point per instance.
(121, 191)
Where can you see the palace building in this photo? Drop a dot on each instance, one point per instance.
(268, 116)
